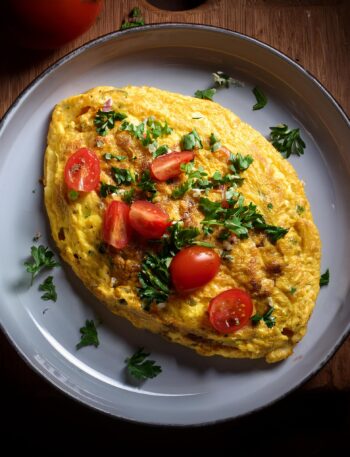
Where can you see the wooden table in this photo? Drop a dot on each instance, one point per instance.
(316, 35)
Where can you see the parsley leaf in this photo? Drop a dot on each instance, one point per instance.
(287, 141)
(324, 278)
(147, 132)
(160, 151)
(292, 290)
(270, 205)
(122, 176)
(207, 94)
(240, 163)
(261, 99)
(214, 142)
(109, 156)
(221, 79)
(128, 196)
(42, 258)
(104, 121)
(49, 288)
(269, 320)
(154, 279)
(180, 190)
(106, 189)
(147, 185)
(157, 129)
(191, 141)
(300, 209)
(178, 237)
(88, 336)
(135, 19)
(140, 368)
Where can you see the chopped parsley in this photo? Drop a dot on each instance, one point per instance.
(191, 181)
(128, 196)
(109, 156)
(292, 290)
(239, 163)
(154, 279)
(324, 278)
(214, 142)
(191, 141)
(287, 141)
(238, 218)
(269, 320)
(147, 185)
(73, 195)
(221, 79)
(206, 94)
(148, 131)
(270, 205)
(142, 369)
(179, 237)
(300, 209)
(261, 99)
(41, 258)
(122, 176)
(105, 120)
(135, 19)
(160, 151)
(49, 288)
(89, 335)
(107, 189)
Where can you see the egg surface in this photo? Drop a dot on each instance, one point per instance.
(280, 274)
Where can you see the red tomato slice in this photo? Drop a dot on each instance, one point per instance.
(116, 225)
(148, 219)
(230, 310)
(193, 267)
(168, 166)
(82, 171)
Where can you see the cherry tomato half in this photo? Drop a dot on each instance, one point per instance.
(116, 225)
(148, 219)
(193, 267)
(168, 166)
(82, 171)
(47, 24)
(230, 310)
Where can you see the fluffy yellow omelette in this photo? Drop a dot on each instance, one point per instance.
(283, 274)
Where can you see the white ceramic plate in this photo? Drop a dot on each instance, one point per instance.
(191, 389)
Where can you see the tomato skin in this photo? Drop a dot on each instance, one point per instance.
(116, 225)
(148, 219)
(47, 24)
(193, 267)
(82, 171)
(168, 166)
(230, 310)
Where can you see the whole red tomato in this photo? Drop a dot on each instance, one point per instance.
(47, 24)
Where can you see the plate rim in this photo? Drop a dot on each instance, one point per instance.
(111, 36)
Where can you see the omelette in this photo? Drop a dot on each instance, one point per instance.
(183, 219)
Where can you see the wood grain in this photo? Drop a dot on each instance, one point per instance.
(313, 33)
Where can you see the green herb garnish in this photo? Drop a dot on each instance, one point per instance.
(122, 176)
(269, 320)
(206, 94)
(73, 195)
(128, 196)
(109, 156)
(261, 99)
(292, 290)
(270, 205)
(240, 163)
(105, 120)
(222, 79)
(147, 132)
(191, 182)
(147, 185)
(135, 19)
(107, 189)
(300, 209)
(324, 279)
(142, 369)
(88, 336)
(160, 151)
(214, 142)
(42, 258)
(154, 279)
(287, 141)
(49, 288)
(191, 141)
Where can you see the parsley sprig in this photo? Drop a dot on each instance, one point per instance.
(269, 320)
(147, 185)
(89, 335)
(214, 142)
(140, 368)
(105, 120)
(148, 131)
(122, 176)
(206, 94)
(287, 141)
(135, 19)
(222, 79)
(42, 258)
(324, 278)
(109, 156)
(261, 99)
(49, 288)
(191, 141)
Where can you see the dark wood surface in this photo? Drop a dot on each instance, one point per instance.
(316, 35)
